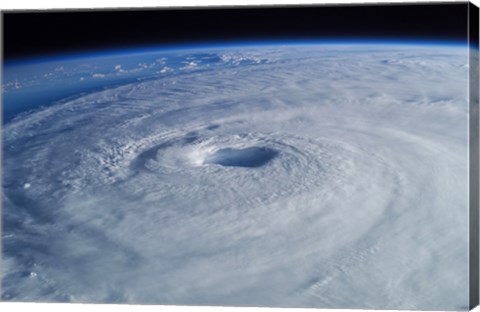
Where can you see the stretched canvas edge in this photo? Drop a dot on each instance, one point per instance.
(473, 41)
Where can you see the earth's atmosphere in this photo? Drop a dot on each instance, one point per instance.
(320, 175)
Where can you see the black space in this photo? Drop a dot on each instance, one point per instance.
(29, 34)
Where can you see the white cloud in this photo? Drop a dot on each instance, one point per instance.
(189, 65)
(166, 69)
(371, 166)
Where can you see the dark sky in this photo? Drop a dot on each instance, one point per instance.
(31, 34)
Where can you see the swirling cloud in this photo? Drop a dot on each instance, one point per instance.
(327, 176)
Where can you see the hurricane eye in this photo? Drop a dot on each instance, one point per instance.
(250, 157)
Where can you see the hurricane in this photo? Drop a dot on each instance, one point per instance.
(320, 175)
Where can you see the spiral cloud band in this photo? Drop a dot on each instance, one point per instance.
(294, 176)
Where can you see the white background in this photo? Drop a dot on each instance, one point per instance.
(47, 4)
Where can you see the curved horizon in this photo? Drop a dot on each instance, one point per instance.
(141, 49)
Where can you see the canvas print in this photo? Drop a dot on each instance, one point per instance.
(314, 156)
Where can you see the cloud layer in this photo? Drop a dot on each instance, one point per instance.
(318, 176)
